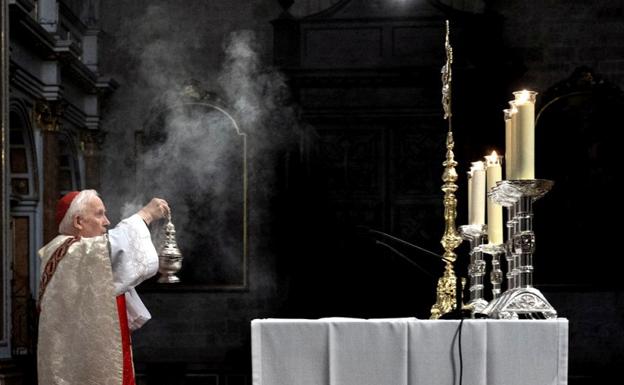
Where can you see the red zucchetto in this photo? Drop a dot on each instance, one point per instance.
(63, 205)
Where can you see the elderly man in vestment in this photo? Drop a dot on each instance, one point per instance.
(87, 301)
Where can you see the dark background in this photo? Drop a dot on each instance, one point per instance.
(340, 102)
(363, 81)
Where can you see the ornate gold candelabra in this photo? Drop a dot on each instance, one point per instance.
(446, 296)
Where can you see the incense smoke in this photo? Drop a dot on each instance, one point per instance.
(194, 157)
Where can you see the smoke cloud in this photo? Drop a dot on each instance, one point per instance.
(202, 158)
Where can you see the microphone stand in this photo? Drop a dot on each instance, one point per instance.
(405, 243)
(458, 312)
(406, 258)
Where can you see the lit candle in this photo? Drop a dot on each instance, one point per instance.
(493, 174)
(477, 194)
(523, 136)
(470, 208)
(508, 114)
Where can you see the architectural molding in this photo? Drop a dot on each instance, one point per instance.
(5, 263)
(24, 81)
(27, 29)
(47, 114)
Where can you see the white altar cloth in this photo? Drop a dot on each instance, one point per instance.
(408, 351)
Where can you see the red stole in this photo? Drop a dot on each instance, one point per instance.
(126, 344)
(50, 267)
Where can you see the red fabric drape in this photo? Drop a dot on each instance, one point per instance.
(128, 369)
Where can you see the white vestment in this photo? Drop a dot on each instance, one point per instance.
(133, 260)
(79, 334)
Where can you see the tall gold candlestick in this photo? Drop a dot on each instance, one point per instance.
(446, 293)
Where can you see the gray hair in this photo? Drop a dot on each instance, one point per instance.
(77, 207)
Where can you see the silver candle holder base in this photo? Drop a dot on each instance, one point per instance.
(520, 303)
(476, 235)
(521, 299)
(496, 274)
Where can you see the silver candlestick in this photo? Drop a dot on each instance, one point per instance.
(496, 275)
(476, 235)
(169, 257)
(512, 229)
(521, 299)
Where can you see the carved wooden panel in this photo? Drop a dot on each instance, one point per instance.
(370, 183)
(410, 42)
(352, 162)
(367, 77)
(362, 44)
(418, 153)
(350, 46)
(341, 98)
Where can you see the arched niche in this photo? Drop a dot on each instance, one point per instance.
(576, 147)
(24, 231)
(22, 160)
(193, 154)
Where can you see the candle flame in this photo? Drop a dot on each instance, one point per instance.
(524, 96)
(492, 159)
(477, 166)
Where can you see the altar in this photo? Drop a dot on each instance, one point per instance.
(409, 351)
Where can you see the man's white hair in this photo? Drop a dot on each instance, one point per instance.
(77, 207)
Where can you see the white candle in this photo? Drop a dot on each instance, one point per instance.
(493, 174)
(470, 208)
(477, 194)
(523, 136)
(508, 115)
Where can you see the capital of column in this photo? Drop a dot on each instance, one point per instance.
(47, 114)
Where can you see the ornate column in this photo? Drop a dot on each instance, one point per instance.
(4, 215)
(92, 150)
(47, 115)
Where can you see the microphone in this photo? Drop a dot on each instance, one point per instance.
(458, 312)
(397, 252)
(405, 243)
